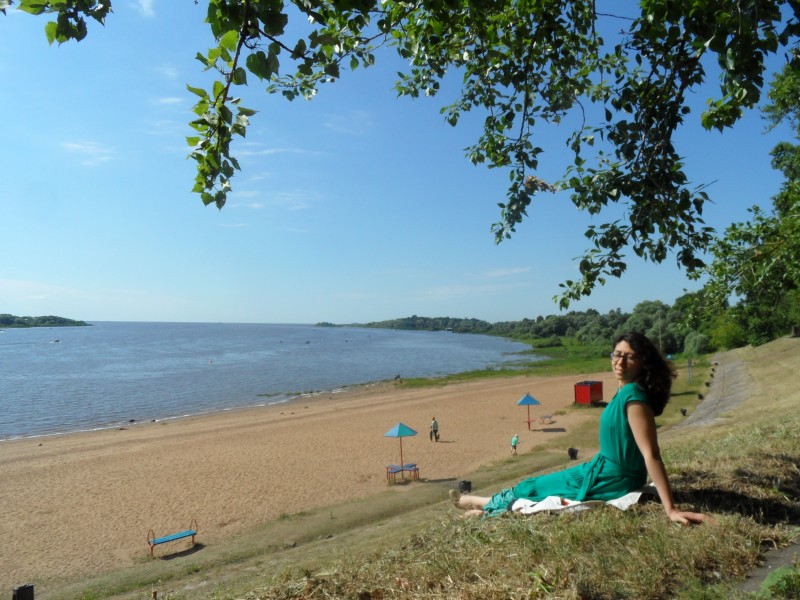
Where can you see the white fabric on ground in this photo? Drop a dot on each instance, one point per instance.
(558, 504)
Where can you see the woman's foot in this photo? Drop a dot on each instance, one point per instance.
(468, 502)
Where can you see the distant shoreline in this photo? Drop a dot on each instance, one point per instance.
(14, 322)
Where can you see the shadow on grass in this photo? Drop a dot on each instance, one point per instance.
(443, 480)
(769, 497)
(402, 481)
(188, 552)
(686, 393)
(766, 511)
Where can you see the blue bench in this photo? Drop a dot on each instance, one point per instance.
(393, 470)
(155, 541)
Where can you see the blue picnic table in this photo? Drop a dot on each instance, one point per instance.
(393, 470)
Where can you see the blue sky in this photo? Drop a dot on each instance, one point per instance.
(356, 206)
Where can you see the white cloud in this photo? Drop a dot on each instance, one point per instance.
(90, 154)
(509, 272)
(168, 72)
(146, 7)
(293, 200)
(260, 176)
(170, 100)
(248, 194)
(357, 122)
(253, 151)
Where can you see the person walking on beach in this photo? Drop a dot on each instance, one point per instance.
(434, 435)
(628, 443)
(514, 442)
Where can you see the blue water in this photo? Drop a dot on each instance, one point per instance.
(55, 380)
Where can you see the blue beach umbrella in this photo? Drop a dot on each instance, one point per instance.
(528, 400)
(400, 431)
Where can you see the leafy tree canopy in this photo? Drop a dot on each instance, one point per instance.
(523, 64)
(757, 262)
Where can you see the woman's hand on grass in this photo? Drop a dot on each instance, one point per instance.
(688, 518)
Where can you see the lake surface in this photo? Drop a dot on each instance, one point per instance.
(55, 380)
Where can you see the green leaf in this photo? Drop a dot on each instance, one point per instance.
(239, 76)
(33, 8)
(275, 23)
(299, 49)
(730, 59)
(50, 29)
(230, 40)
(258, 65)
(218, 89)
(332, 69)
(198, 92)
(272, 61)
(200, 57)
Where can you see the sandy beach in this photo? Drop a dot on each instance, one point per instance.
(82, 504)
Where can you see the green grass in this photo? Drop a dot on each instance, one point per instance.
(782, 583)
(413, 545)
(566, 359)
(604, 553)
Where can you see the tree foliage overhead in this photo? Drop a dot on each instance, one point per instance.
(524, 65)
(757, 262)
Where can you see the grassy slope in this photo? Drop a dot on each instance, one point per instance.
(411, 544)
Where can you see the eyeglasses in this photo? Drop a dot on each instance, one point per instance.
(618, 356)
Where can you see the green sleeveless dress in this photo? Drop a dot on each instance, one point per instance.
(617, 469)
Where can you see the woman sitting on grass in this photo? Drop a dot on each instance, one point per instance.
(628, 443)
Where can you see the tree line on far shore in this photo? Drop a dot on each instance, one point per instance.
(10, 321)
(683, 328)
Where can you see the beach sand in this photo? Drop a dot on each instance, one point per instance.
(82, 504)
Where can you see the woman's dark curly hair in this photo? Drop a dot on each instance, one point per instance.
(656, 373)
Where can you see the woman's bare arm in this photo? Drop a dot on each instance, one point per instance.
(643, 425)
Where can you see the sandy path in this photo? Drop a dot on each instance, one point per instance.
(83, 503)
